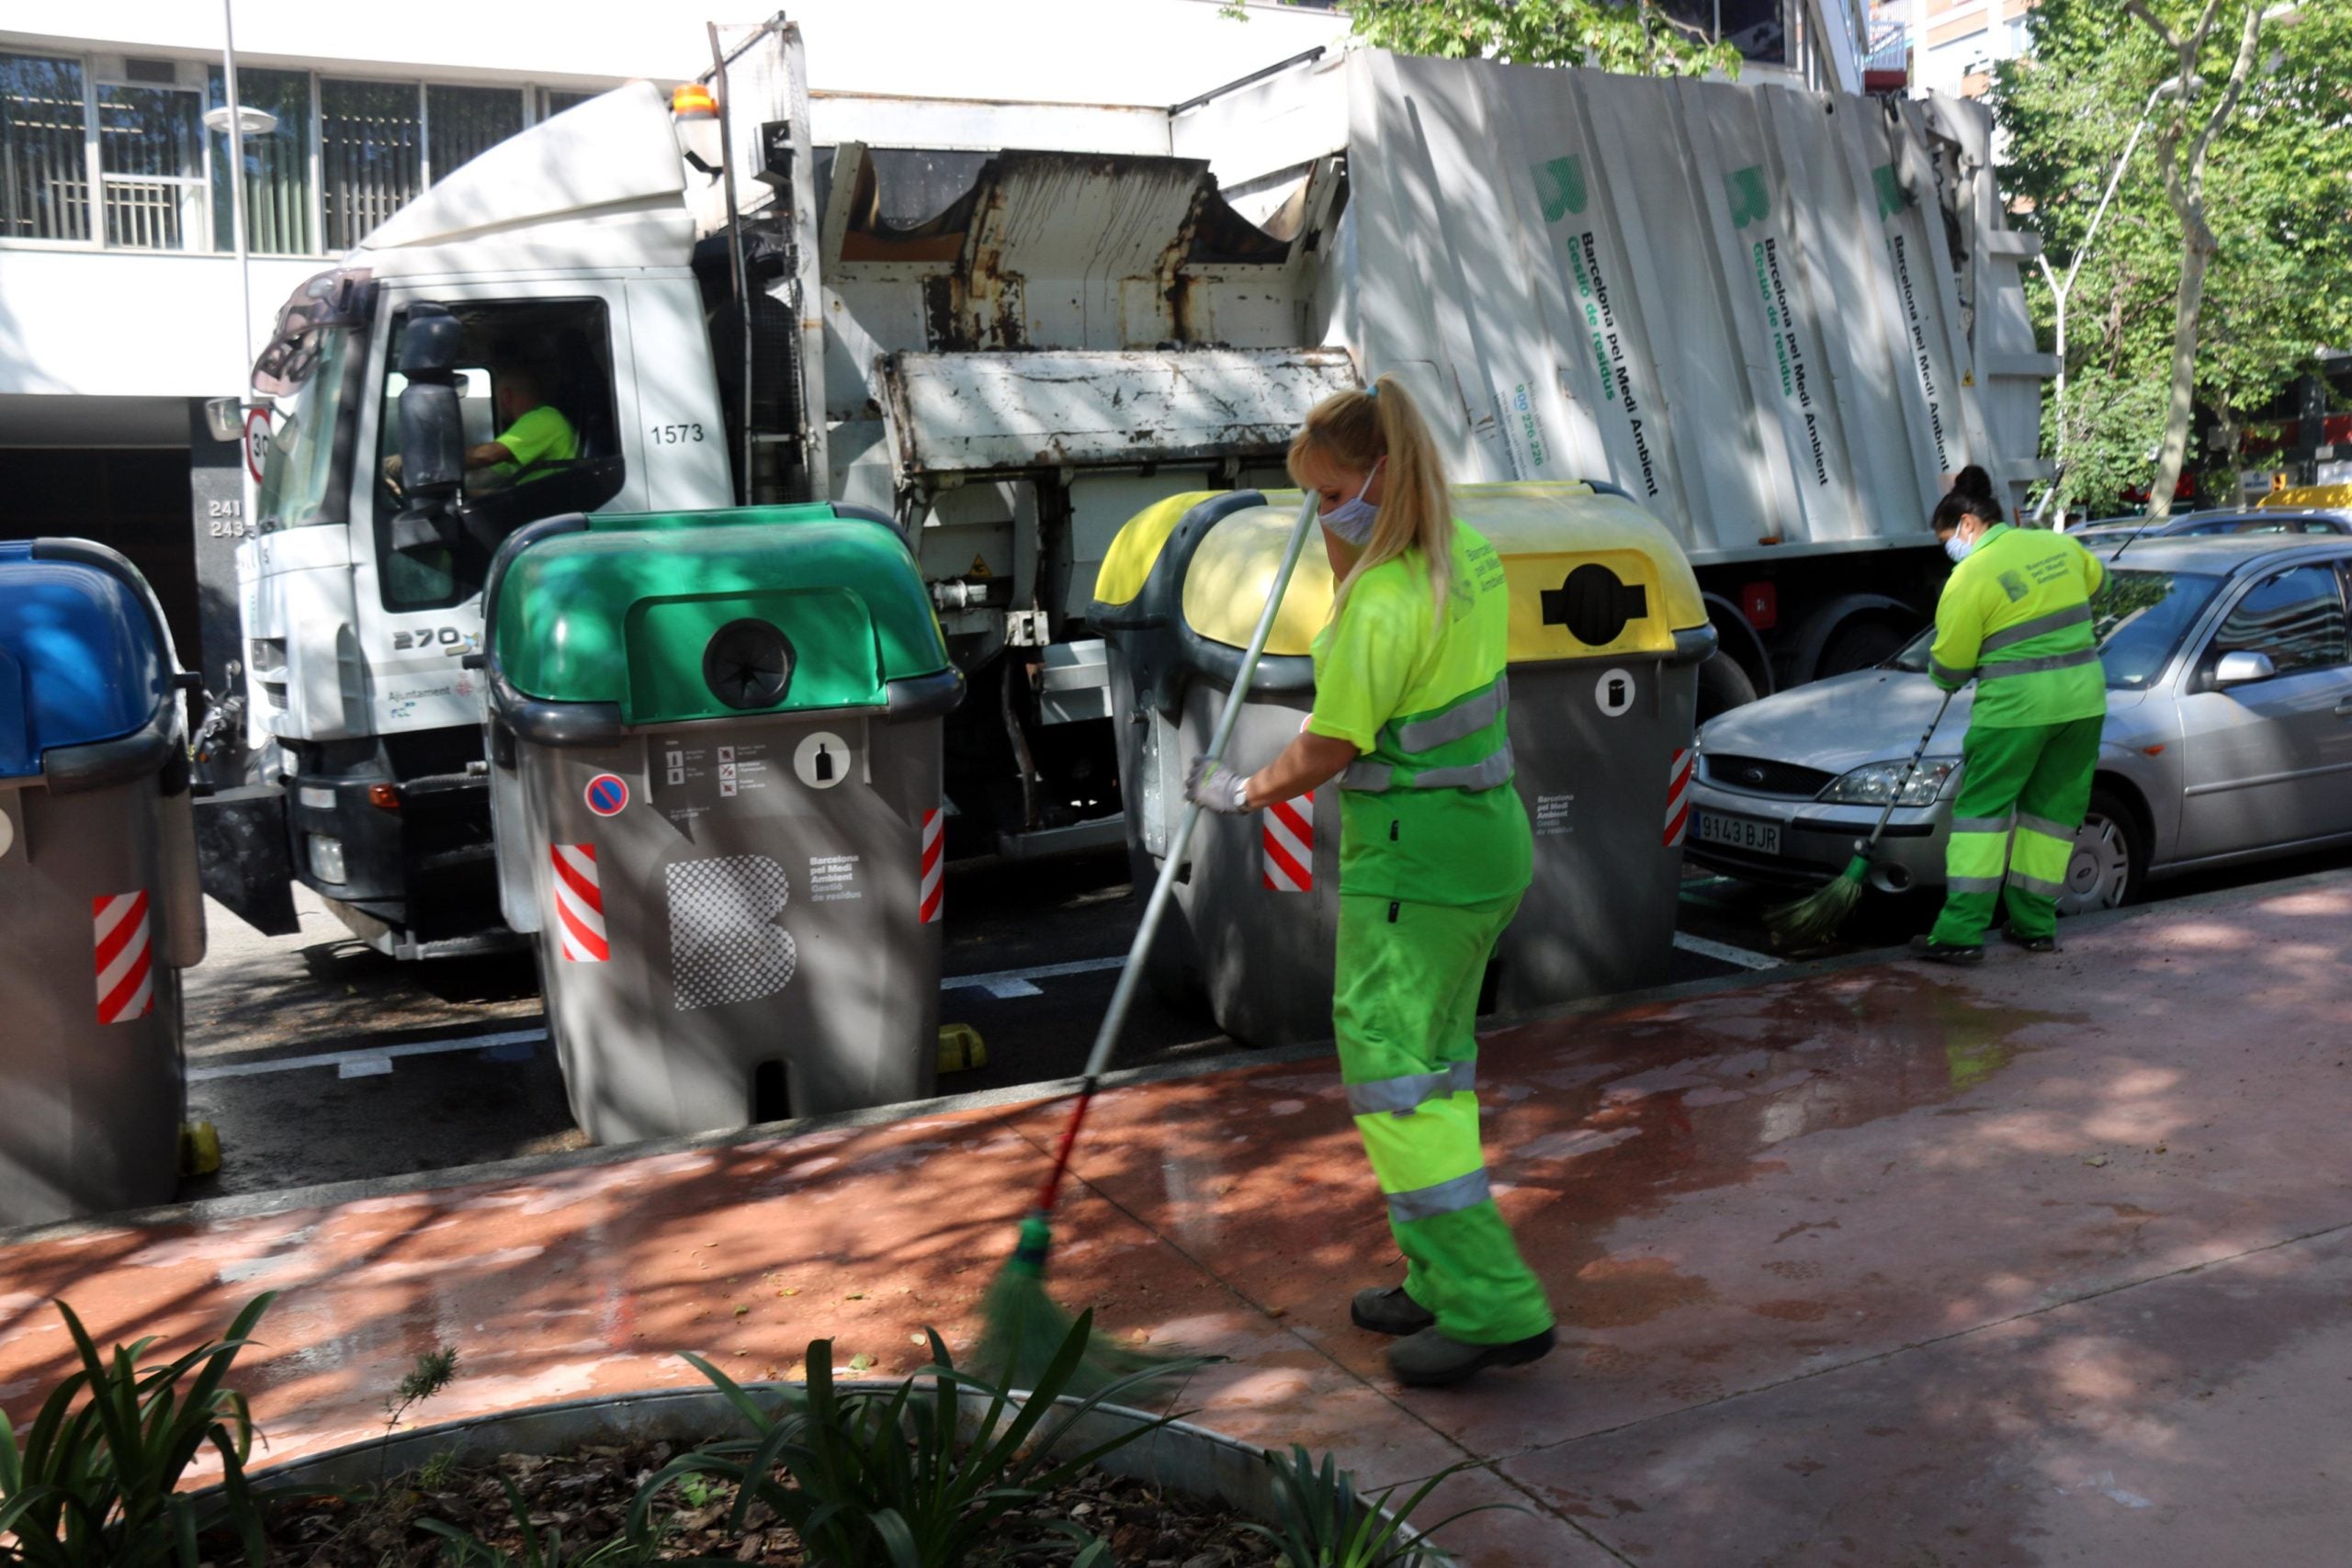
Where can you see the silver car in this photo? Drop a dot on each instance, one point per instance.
(2227, 736)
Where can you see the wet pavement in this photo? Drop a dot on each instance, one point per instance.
(1870, 1263)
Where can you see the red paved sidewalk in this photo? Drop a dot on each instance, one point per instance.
(2042, 1263)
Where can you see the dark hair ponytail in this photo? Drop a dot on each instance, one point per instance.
(1971, 496)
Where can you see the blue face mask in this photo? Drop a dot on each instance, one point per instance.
(1958, 548)
(1352, 520)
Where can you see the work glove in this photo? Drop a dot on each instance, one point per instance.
(1213, 787)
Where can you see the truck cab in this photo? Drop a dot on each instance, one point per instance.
(361, 708)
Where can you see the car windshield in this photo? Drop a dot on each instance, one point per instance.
(296, 470)
(2139, 616)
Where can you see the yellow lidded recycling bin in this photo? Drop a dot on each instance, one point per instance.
(1607, 634)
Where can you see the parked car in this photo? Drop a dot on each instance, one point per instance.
(2188, 525)
(2228, 737)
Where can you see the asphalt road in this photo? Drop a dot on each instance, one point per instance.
(319, 1060)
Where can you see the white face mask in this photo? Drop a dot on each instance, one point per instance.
(1958, 547)
(1352, 520)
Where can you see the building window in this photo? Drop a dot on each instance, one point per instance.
(465, 122)
(343, 156)
(553, 101)
(44, 154)
(151, 157)
(371, 155)
(279, 216)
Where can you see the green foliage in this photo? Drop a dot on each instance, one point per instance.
(460, 1549)
(1321, 1521)
(886, 1479)
(95, 1484)
(434, 1371)
(1632, 36)
(2276, 195)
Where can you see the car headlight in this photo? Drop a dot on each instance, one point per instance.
(1874, 783)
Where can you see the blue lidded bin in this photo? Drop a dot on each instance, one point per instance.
(100, 907)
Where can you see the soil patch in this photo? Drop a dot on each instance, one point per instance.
(585, 1497)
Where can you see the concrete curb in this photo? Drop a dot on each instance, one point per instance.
(213, 1210)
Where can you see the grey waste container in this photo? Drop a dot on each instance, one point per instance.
(1607, 630)
(99, 903)
(715, 789)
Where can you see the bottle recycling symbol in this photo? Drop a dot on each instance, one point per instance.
(822, 760)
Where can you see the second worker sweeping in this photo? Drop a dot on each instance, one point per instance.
(1410, 717)
(2017, 618)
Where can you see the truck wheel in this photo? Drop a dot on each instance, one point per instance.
(2110, 856)
(1860, 645)
(1722, 685)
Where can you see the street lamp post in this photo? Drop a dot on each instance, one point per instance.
(236, 121)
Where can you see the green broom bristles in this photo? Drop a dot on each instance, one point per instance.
(1023, 1328)
(1818, 915)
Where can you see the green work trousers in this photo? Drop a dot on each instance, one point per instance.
(2022, 795)
(1403, 1008)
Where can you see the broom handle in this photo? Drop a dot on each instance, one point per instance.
(1114, 1017)
(1909, 769)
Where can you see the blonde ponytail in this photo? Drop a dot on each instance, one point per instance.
(1355, 430)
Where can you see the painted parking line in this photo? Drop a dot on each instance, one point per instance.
(1724, 953)
(518, 1045)
(376, 1060)
(1006, 984)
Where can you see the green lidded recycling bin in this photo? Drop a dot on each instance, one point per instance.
(100, 907)
(715, 789)
(1607, 634)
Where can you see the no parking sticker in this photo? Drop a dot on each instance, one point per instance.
(606, 794)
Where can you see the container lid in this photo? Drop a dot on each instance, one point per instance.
(83, 658)
(712, 615)
(1590, 574)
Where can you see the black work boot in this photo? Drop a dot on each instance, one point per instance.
(1961, 953)
(1428, 1359)
(2031, 944)
(1390, 1312)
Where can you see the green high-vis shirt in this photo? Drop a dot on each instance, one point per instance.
(2016, 614)
(1389, 658)
(541, 434)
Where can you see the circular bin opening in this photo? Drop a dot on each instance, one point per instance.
(1594, 603)
(748, 664)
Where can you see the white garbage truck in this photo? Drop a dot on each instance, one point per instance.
(1778, 318)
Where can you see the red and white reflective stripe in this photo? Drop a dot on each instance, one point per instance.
(1677, 795)
(1290, 845)
(579, 904)
(934, 864)
(124, 956)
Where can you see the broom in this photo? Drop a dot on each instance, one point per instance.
(1023, 1326)
(1817, 916)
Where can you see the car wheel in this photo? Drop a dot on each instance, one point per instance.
(2109, 857)
(1723, 687)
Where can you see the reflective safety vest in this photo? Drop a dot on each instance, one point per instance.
(1463, 745)
(1428, 812)
(2016, 618)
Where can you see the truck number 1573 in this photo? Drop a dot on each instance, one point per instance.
(670, 435)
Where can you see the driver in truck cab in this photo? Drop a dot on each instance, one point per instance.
(532, 431)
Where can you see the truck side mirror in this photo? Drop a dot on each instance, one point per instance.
(432, 431)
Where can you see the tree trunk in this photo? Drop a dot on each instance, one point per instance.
(2194, 258)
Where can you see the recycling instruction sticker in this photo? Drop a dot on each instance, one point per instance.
(1613, 692)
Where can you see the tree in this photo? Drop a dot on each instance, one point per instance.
(2184, 136)
(2219, 268)
(1635, 35)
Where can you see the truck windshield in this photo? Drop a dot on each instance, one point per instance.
(297, 479)
(2139, 616)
